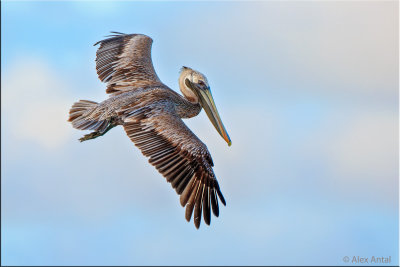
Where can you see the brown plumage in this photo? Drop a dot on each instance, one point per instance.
(151, 114)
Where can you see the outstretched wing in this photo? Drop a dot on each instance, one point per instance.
(178, 155)
(123, 61)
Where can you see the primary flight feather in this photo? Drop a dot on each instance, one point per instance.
(151, 114)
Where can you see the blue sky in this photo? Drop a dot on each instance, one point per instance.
(308, 92)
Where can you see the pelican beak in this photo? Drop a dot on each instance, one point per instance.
(207, 102)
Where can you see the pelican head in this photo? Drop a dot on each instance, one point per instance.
(194, 86)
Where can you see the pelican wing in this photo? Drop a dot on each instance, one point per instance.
(178, 155)
(123, 61)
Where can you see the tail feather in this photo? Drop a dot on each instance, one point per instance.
(80, 117)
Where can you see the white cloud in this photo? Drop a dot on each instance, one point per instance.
(331, 48)
(358, 150)
(35, 103)
(368, 144)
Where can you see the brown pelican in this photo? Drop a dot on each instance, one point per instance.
(151, 114)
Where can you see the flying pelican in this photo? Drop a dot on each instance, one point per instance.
(151, 114)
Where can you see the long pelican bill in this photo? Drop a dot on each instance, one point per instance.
(207, 102)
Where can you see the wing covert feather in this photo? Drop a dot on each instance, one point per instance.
(178, 155)
(124, 62)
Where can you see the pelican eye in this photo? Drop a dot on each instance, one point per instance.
(201, 82)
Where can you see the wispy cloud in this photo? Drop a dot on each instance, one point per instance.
(36, 102)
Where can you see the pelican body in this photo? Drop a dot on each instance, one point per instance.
(151, 115)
